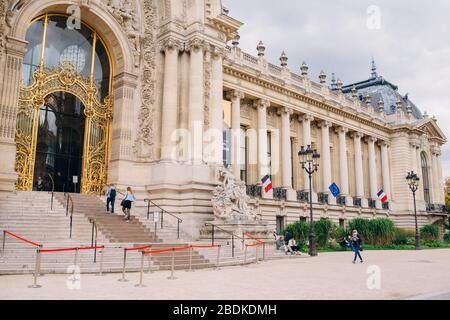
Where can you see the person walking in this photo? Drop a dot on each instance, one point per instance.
(111, 197)
(356, 245)
(128, 199)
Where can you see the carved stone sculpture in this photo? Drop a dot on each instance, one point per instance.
(230, 200)
(143, 146)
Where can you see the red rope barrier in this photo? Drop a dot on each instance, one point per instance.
(22, 239)
(71, 249)
(254, 245)
(136, 249)
(178, 249)
(157, 251)
(204, 247)
(253, 238)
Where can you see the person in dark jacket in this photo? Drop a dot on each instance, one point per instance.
(356, 244)
(287, 237)
(111, 197)
(59, 182)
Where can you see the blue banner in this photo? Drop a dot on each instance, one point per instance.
(335, 190)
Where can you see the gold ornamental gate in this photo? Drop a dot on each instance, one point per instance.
(97, 126)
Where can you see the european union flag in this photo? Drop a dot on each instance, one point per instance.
(335, 190)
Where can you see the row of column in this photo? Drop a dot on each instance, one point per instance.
(196, 112)
(325, 126)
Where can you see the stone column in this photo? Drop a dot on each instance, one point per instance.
(263, 165)
(121, 154)
(435, 176)
(196, 100)
(419, 194)
(235, 96)
(385, 172)
(373, 171)
(359, 174)
(216, 102)
(343, 165)
(170, 101)
(325, 155)
(286, 153)
(306, 124)
(9, 94)
(441, 178)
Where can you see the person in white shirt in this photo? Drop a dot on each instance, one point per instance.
(128, 199)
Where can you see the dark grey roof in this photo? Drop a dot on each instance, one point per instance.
(378, 87)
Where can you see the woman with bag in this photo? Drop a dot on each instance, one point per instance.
(356, 243)
(126, 203)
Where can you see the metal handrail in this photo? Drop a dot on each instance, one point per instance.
(226, 231)
(52, 192)
(69, 199)
(179, 220)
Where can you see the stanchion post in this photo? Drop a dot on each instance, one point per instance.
(75, 262)
(123, 279)
(141, 277)
(256, 253)
(232, 245)
(101, 261)
(243, 241)
(173, 266)
(264, 251)
(190, 258)
(37, 269)
(3, 244)
(245, 255)
(218, 258)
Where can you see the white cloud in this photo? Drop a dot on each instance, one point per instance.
(411, 49)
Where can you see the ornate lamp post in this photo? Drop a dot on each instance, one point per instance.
(413, 183)
(309, 159)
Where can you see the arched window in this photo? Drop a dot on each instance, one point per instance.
(426, 180)
(51, 41)
(65, 139)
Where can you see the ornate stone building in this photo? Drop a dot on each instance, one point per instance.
(157, 95)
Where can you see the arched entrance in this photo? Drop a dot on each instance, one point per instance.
(59, 144)
(65, 108)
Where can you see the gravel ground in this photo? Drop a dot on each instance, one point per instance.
(383, 275)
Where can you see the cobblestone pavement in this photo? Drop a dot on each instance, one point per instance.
(383, 275)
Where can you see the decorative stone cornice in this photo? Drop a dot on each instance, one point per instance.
(384, 143)
(324, 124)
(370, 139)
(305, 118)
(235, 94)
(284, 109)
(341, 129)
(261, 104)
(356, 135)
(288, 92)
(171, 44)
(195, 44)
(217, 52)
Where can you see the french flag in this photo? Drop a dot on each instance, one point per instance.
(267, 184)
(382, 196)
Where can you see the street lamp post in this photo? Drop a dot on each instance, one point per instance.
(309, 159)
(413, 183)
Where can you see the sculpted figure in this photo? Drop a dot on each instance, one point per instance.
(230, 200)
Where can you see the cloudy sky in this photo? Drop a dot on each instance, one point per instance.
(409, 39)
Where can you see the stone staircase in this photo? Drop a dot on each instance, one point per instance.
(29, 215)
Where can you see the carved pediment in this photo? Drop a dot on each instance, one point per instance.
(430, 127)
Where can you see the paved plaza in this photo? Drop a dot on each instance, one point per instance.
(383, 275)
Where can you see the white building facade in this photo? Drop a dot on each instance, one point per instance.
(157, 95)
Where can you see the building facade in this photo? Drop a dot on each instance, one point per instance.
(157, 95)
